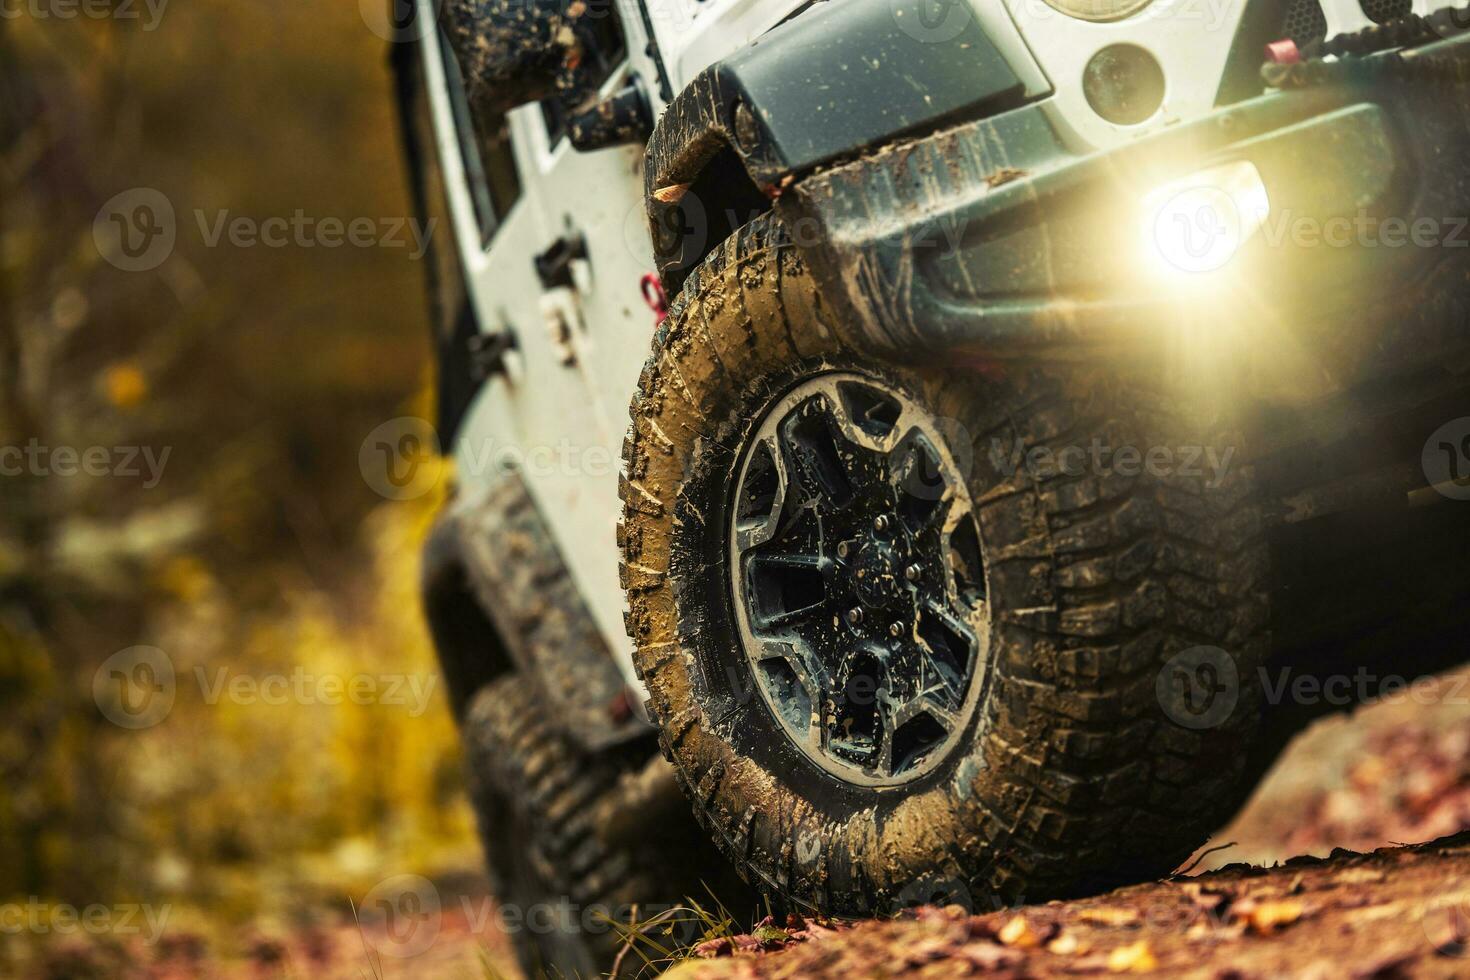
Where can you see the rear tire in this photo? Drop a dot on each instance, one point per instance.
(537, 796)
(1091, 756)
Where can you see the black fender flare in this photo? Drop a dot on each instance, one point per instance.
(499, 598)
(829, 84)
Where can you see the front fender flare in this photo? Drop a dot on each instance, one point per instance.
(831, 83)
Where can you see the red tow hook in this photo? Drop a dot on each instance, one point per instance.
(1283, 52)
(653, 295)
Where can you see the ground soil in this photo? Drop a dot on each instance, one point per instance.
(1277, 898)
(1281, 891)
(1394, 912)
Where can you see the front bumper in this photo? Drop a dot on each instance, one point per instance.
(992, 240)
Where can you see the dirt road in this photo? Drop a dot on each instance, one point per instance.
(1396, 912)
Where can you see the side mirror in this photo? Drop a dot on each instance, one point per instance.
(513, 52)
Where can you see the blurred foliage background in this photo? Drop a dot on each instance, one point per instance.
(262, 548)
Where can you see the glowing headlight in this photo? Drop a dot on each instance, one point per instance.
(1197, 224)
(1099, 10)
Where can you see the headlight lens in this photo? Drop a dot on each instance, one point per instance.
(1197, 224)
(1099, 9)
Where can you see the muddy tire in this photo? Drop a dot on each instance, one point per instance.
(542, 805)
(1102, 680)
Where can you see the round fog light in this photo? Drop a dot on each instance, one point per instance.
(1123, 84)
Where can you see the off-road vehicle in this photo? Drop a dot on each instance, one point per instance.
(922, 431)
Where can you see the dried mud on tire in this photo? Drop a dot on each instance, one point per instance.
(1072, 776)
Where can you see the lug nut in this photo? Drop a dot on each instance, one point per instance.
(842, 549)
(895, 630)
(912, 573)
(881, 523)
(854, 616)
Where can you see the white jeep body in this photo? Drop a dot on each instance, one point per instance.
(560, 407)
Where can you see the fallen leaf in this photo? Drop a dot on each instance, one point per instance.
(671, 194)
(1018, 932)
(768, 934)
(1268, 917)
(1064, 945)
(1134, 958)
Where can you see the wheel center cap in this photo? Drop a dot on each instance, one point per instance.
(878, 571)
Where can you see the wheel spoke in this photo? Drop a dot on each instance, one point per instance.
(761, 498)
(784, 620)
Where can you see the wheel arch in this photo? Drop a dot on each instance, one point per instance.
(749, 125)
(469, 647)
(498, 599)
